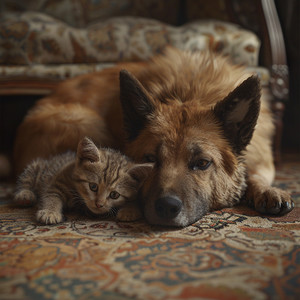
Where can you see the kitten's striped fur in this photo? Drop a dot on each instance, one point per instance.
(100, 181)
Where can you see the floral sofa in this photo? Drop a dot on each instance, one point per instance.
(45, 41)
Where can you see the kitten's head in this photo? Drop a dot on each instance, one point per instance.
(106, 179)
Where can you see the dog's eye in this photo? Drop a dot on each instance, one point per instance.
(150, 158)
(201, 164)
(114, 195)
(94, 187)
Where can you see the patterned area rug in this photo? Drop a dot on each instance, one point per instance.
(229, 254)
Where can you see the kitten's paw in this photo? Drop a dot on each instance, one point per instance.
(273, 201)
(127, 214)
(24, 198)
(48, 217)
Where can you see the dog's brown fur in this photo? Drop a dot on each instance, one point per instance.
(193, 115)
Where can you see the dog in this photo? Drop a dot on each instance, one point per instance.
(200, 120)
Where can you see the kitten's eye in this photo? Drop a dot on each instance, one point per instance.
(150, 158)
(94, 187)
(114, 195)
(201, 164)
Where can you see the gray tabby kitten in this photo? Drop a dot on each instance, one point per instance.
(99, 180)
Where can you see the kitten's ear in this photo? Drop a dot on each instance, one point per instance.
(87, 150)
(140, 172)
(136, 104)
(238, 113)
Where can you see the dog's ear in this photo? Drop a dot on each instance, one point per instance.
(87, 151)
(239, 111)
(136, 104)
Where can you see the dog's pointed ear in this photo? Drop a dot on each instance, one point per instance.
(136, 104)
(239, 111)
(87, 151)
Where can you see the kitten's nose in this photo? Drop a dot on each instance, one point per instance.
(168, 207)
(99, 205)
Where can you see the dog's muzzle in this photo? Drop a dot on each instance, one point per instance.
(168, 207)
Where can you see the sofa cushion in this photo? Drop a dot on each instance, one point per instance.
(36, 38)
(42, 79)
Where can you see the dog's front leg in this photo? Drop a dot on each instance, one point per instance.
(267, 199)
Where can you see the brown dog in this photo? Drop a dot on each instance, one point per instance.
(197, 117)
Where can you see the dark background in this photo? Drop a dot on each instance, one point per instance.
(289, 14)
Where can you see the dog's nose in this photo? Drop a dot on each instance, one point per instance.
(168, 207)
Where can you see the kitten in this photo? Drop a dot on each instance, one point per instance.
(99, 180)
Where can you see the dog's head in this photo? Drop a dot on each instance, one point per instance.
(196, 152)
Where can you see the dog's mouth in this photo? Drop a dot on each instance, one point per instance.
(172, 211)
(182, 220)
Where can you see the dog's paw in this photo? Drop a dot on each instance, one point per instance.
(49, 217)
(273, 201)
(24, 198)
(127, 214)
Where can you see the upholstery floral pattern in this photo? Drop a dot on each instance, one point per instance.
(33, 37)
(229, 254)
